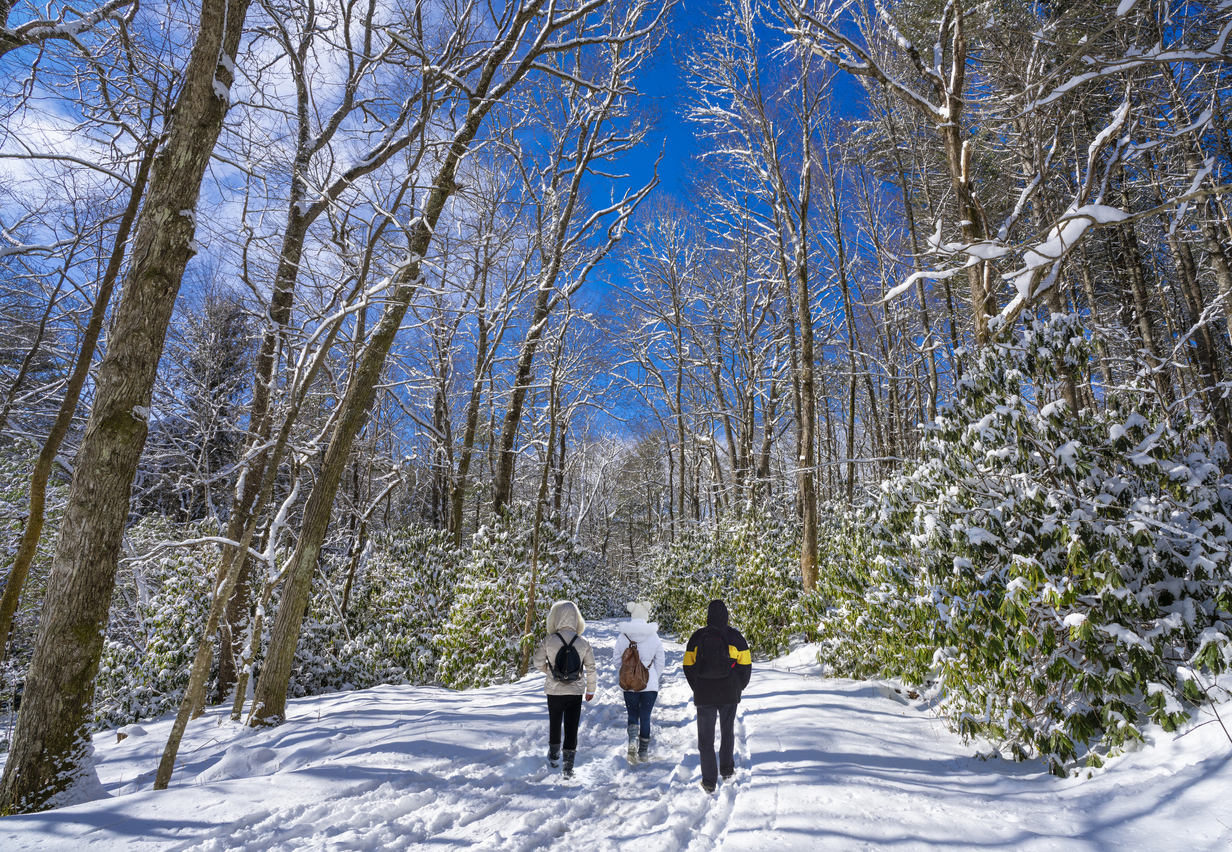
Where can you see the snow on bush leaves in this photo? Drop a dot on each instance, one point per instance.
(1064, 576)
(751, 560)
(481, 643)
(402, 590)
(157, 616)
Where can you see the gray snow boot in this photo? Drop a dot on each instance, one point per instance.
(567, 769)
(643, 749)
(633, 732)
(553, 754)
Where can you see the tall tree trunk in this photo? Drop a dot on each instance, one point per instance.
(1131, 261)
(457, 493)
(916, 255)
(51, 747)
(1101, 344)
(767, 438)
(808, 419)
(541, 498)
(502, 484)
(302, 212)
(1193, 305)
(558, 483)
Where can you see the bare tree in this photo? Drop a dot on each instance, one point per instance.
(37, 31)
(522, 39)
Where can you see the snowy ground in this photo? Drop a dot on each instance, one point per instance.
(821, 764)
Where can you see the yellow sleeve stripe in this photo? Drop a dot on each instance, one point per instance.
(743, 658)
(690, 657)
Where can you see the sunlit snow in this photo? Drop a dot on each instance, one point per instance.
(822, 764)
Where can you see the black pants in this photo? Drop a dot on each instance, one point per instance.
(566, 709)
(726, 715)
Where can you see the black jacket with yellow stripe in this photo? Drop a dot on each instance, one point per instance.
(726, 690)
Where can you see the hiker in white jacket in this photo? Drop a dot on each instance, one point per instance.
(644, 633)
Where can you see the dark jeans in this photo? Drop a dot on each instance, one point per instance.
(567, 709)
(706, 715)
(639, 705)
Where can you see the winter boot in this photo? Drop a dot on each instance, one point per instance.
(633, 731)
(553, 754)
(567, 769)
(643, 749)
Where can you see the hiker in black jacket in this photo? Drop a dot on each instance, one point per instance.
(718, 664)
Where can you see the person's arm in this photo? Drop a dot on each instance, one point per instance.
(744, 658)
(541, 656)
(690, 661)
(660, 658)
(588, 663)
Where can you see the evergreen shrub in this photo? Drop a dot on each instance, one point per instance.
(158, 611)
(481, 642)
(401, 592)
(1064, 576)
(750, 559)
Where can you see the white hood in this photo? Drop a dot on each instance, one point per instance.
(649, 648)
(565, 614)
(638, 630)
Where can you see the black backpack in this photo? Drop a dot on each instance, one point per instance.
(567, 667)
(712, 660)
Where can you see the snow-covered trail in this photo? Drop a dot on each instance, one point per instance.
(821, 763)
(860, 766)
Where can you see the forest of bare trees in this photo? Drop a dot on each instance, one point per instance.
(293, 277)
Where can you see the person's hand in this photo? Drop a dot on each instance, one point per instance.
(590, 696)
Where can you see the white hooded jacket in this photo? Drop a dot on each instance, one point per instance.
(649, 648)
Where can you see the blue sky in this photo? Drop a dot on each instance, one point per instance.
(664, 86)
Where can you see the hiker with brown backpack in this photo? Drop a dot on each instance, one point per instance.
(639, 654)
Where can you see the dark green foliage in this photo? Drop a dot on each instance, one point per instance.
(751, 561)
(156, 620)
(401, 592)
(481, 642)
(1063, 576)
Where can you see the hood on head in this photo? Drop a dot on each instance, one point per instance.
(716, 614)
(639, 631)
(639, 609)
(565, 614)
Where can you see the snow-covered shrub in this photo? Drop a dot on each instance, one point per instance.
(848, 569)
(158, 612)
(750, 559)
(594, 587)
(684, 576)
(1065, 575)
(481, 643)
(401, 593)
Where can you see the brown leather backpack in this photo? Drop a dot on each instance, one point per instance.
(633, 675)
